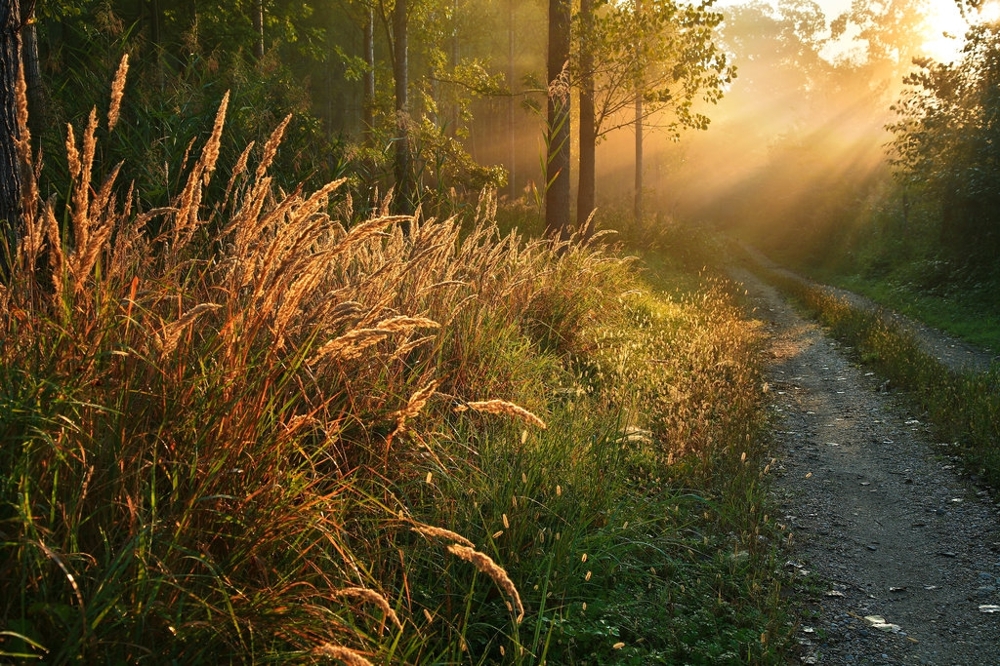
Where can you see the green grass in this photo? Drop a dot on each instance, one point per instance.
(970, 314)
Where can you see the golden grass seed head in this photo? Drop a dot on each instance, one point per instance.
(347, 655)
(441, 533)
(117, 92)
(504, 407)
(373, 597)
(486, 565)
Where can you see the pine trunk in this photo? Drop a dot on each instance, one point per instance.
(639, 87)
(32, 72)
(258, 28)
(403, 201)
(10, 180)
(368, 103)
(586, 194)
(557, 194)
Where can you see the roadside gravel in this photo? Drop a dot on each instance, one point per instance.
(881, 524)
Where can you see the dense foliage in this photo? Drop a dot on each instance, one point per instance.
(947, 143)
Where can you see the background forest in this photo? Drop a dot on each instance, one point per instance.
(799, 155)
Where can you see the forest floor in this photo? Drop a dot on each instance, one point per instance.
(896, 554)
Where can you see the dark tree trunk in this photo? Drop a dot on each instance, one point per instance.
(638, 211)
(32, 71)
(403, 200)
(10, 179)
(511, 135)
(155, 18)
(557, 195)
(368, 101)
(258, 28)
(155, 22)
(585, 197)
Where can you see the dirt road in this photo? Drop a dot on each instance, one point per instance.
(881, 524)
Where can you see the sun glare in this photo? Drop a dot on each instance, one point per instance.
(946, 28)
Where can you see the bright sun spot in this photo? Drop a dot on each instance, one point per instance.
(947, 27)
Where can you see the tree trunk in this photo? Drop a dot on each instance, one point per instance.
(32, 71)
(368, 101)
(638, 211)
(453, 60)
(511, 134)
(557, 197)
(258, 29)
(155, 22)
(586, 192)
(155, 17)
(10, 178)
(403, 201)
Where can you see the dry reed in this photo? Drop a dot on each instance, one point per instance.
(117, 92)
(486, 565)
(347, 655)
(442, 533)
(372, 597)
(503, 407)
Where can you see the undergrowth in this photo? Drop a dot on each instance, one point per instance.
(256, 429)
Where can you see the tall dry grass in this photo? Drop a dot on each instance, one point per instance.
(260, 429)
(206, 408)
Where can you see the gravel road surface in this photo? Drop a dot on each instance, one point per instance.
(897, 555)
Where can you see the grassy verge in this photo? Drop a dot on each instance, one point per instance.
(258, 429)
(968, 313)
(965, 407)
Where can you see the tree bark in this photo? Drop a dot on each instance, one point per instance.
(638, 208)
(258, 29)
(32, 71)
(557, 193)
(155, 22)
(368, 101)
(586, 193)
(10, 177)
(403, 200)
(511, 134)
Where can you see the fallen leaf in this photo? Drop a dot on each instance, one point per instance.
(878, 622)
